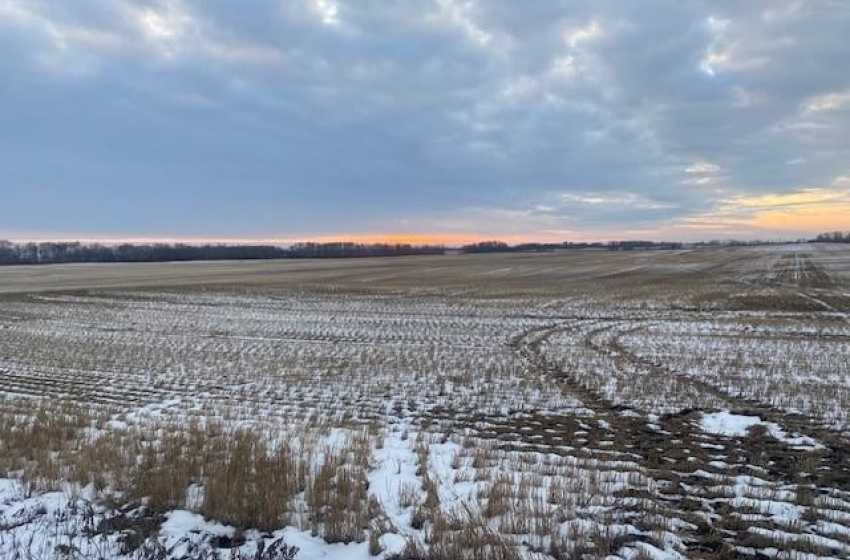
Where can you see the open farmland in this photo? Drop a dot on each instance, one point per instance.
(647, 404)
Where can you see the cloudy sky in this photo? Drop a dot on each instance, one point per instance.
(426, 119)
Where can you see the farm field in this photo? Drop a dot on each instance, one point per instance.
(585, 404)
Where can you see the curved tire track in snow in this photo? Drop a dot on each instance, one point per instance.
(695, 469)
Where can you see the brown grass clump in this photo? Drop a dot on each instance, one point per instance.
(252, 486)
(34, 440)
(456, 537)
(337, 496)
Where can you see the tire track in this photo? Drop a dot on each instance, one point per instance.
(694, 468)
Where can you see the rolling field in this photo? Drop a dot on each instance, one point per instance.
(586, 404)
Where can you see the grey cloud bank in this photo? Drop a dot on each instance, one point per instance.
(536, 119)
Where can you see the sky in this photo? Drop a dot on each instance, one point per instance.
(424, 121)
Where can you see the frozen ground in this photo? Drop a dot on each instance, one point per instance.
(688, 404)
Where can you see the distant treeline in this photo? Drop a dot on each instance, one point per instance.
(834, 237)
(501, 247)
(311, 250)
(75, 252)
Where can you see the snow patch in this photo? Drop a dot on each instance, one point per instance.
(794, 440)
(724, 423)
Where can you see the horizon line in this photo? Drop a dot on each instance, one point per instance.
(367, 239)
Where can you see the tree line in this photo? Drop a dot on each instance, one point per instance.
(49, 252)
(834, 237)
(77, 252)
(629, 245)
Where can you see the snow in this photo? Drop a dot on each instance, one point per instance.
(395, 471)
(184, 528)
(36, 524)
(795, 440)
(724, 423)
(392, 543)
(314, 548)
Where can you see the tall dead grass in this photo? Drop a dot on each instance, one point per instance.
(241, 479)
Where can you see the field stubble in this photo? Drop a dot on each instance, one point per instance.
(497, 406)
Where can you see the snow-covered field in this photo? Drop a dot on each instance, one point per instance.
(688, 404)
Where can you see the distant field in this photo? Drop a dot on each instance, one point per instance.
(529, 272)
(635, 404)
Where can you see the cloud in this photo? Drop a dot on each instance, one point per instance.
(703, 168)
(703, 174)
(207, 118)
(327, 11)
(828, 102)
(795, 214)
(630, 200)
